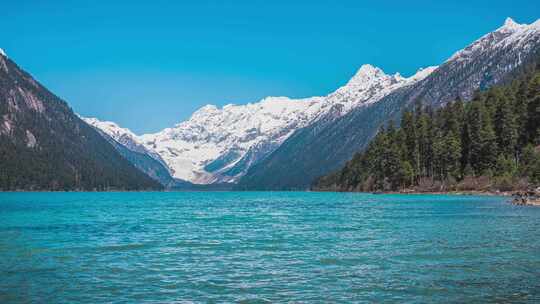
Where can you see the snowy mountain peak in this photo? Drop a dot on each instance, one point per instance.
(112, 129)
(207, 108)
(220, 144)
(510, 23)
(3, 53)
(510, 26)
(366, 77)
(509, 33)
(121, 135)
(369, 74)
(367, 71)
(369, 85)
(203, 111)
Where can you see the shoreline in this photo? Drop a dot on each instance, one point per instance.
(487, 193)
(415, 192)
(472, 192)
(527, 198)
(519, 198)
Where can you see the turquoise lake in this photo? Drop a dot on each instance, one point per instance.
(266, 247)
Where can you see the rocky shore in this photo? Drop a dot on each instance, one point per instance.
(523, 198)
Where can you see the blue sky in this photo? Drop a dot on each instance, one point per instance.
(149, 64)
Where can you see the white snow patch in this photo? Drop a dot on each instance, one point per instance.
(422, 73)
(510, 24)
(31, 141)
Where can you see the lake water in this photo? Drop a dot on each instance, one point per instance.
(258, 247)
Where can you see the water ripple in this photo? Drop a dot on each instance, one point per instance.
(265, 248)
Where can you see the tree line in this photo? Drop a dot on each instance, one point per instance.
(491, 142)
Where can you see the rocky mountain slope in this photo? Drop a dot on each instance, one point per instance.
(45, 146)
(326, 144)
(128, 145)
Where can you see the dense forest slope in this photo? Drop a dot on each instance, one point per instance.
(490, 143)
(45, 146)
(327, 144)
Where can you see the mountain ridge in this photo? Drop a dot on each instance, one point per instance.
(328, 143)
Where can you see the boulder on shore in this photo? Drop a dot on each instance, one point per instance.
(530, 197)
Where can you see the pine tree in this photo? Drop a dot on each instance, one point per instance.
(521, 112)
(453, 149)
(474, 128)
(411, 141)
(489, 148)
(530, 164)
(506, 128)
(424, 140)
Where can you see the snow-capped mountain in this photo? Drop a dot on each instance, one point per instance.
(121, 135)
(369, 85)
(510, 32)
(220, 145)
(494, 55)
(206, 148)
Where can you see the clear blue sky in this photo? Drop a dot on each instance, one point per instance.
(149, 64)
